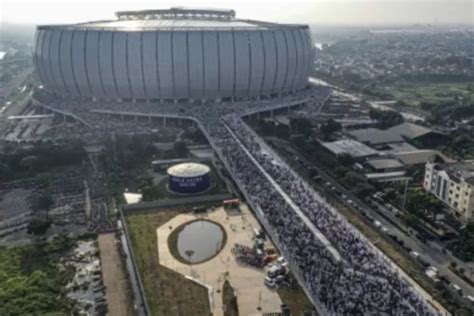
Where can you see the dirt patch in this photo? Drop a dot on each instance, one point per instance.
(118, 293)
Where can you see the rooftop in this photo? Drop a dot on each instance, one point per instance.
(421, 156)
(188, 169)
(166, 23)
(173, 19)
(179, 12)
(460, 171)
(387, 163)
(392, 135)
(351, 147)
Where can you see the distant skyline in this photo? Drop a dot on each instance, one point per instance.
(348, 12)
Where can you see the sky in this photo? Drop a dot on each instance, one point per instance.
(347, 12)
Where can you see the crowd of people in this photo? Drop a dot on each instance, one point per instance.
(342, 272)
(363, 281)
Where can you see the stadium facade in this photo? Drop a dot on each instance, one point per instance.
(174, 54)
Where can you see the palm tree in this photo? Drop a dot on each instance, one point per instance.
(189, 254)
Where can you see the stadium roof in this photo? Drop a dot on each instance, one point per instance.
(392, 135)
(180, 12)
(352, 147)
(173, 19)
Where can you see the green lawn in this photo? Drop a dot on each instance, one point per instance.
(296, 300)
(415, 93)
(230, 300)
(168, 293)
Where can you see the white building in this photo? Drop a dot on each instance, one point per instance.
(453, 184)
(173, 54)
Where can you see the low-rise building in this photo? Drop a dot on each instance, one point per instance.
(421, 157)
(384, 165)
(452, 183)
(353, 148)
(399, 134)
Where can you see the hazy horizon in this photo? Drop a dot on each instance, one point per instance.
(335, 12)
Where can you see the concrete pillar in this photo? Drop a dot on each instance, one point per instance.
(164, 121)
(149, 119)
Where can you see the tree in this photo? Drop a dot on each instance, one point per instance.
(345, 159)
(362, 190)
(150, 193)
(29, 162)
(282, 131)
(386, 119)
(352, 179)
(38, 227)
(180, 149)
(329, 127)
(340, 171)
(463, 246)
(423, 204)
(301, 125)
(42, 202)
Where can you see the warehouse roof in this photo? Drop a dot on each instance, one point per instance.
(392, 135)
(351, 147)
(379, 164)
(421, 156)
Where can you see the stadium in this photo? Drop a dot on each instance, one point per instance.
(173, 55)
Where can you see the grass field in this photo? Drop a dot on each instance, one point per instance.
(31, 283)
(414, 93)
(229, 299)
(168, 293)
(296, 300)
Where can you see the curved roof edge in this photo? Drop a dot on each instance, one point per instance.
(174, 19)
(82, 27)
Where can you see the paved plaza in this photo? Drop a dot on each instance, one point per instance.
(247, 282)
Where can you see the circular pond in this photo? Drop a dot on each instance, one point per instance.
(197, 241)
